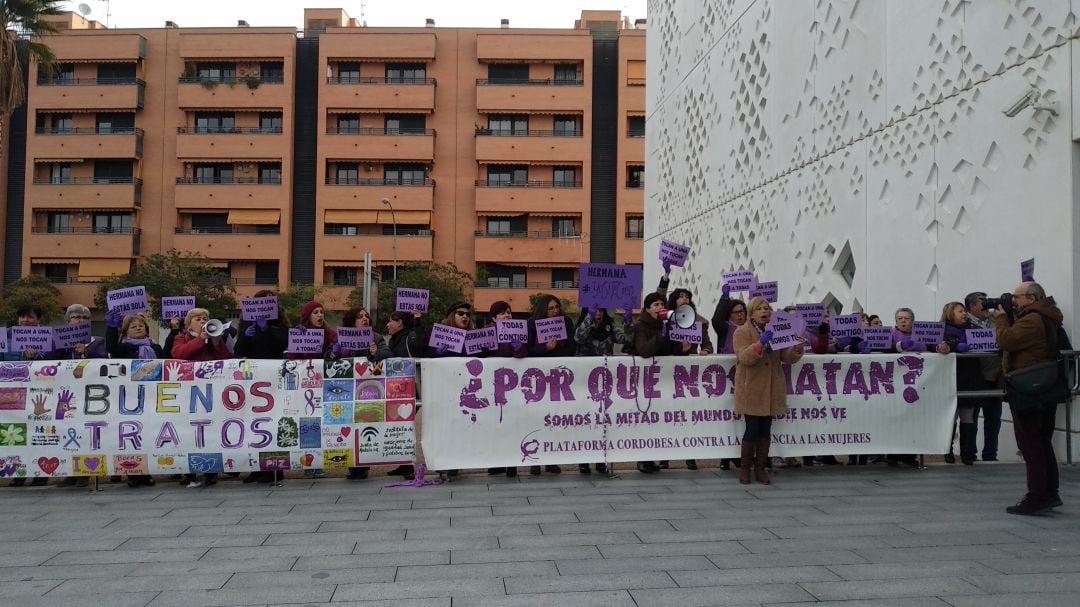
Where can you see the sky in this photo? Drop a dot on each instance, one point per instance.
(377, 13)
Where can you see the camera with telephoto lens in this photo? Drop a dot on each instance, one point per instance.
(1005, 302)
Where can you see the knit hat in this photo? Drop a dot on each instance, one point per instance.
(455, 306)
(309, 307)
(652, 298)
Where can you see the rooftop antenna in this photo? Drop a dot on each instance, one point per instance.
(363, 18)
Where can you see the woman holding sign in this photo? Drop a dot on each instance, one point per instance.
(135, 344)
(968, 377)
(550, 334)
(263, 339)
(501, 310)
(760, 388)
(194, 344)
(358, 318)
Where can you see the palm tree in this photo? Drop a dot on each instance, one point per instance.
(24, 22)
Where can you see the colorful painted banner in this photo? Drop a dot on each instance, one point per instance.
(578, 410)
(93, 418)
(3, 338)
(129, 301)
(176, 307)
(981, 340)
(411, 300)
(259, 308)
(548, 329)
(68, 336)
(609, 286)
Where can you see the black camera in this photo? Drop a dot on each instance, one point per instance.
(1005, 302)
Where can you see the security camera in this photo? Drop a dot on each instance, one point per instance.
(1031, 97)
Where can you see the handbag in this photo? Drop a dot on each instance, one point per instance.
(1042, 384)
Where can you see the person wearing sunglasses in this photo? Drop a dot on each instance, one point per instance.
(548, 306)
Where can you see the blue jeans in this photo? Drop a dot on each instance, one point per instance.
(991, 411)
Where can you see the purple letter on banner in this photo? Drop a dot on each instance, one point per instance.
(176, 307)
(355, 338)
(849, 325)
(3, 339)
(927, 333)
(609, 286)
(548, 329)
(68, 336)
(129, 301)
(305, 341)
(412, 300)
(981, 340)
(674, 253)
(31, 338)
(692, 334)
(785, 330)
(511, 330)
(768, 290)
(447, 337)
(1027, 270)
(481, 339)
(259, 308)
(879, 338)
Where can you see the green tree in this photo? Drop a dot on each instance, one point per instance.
(35, 290)
(27, 18)
(175, 273)
(445, 283)
(294, 298)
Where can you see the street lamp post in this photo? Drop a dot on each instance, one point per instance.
(393, 218)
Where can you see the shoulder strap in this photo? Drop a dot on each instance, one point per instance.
(1051, 338)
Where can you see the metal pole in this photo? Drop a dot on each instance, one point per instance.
(393, 218)
(367, 280)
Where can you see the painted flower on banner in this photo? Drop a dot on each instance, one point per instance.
(13, 435)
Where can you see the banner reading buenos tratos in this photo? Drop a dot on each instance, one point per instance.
(512, 412)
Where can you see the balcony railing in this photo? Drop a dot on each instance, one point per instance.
(238, 229)
(635, 185)
(635, 133)
(483, 183)
(203, 130)
(528, 82)
(635, 234)
(65, 230)
(400, 234)
(87, 181)
(253, 281)
(515, 284)
(378, 131)
(523, 133)
(227, 181)
(89, 130)
(89, 81)
(526, 234)
(371, 80)
(252, 81)
(381, 182)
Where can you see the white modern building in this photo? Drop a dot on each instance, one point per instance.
(870, 154)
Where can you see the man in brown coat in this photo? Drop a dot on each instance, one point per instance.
(1023, 343)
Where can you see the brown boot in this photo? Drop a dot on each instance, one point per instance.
(760, 458)
(746, 462)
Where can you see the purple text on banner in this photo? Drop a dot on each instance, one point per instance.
(848, 325)
(691, 334)
(511, 330)
(3, 339)
(355, 338)
(674, 253)
(305, 341)
(68, 336)
(785, 331)
(481, 339)
(131, 300)
(1027, 270)
(412, 300)
(176, 307)
(768, 290)
(740, 280)
(981, 340)
(879, 338)
(31, 338)
(548, 329)
(609, 286)
(813, 314)
(447, 338)
(927, 333)
(259, 308)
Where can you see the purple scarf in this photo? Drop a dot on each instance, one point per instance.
(146, 351)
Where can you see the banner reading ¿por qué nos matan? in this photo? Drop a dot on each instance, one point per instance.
(533, 411)
(106, 416)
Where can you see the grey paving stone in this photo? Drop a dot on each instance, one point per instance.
(793, 559)
(815, 544)
(478, 570)
(275, 595)
(613, 598)
(721, 595)
(612, 527)
(461, 543)
(29, 558)
(63, 572)
(428, 602)
(359, 561)
(632, 564)
(504, 555)
(199, 581)
(504, 529)
(733, 522)
(1025, 582)
(435, 522)
(760, 575)
(198, 567)
(811, 531)
(14, 591)
(884, 589)
(580, 539)
(21, 546)
(718, 532)
(219, 530)
(917, 602)
(672, 549)
(887, 571)
(1052, 564)
(391, 515)
(116, 599)
(577, 583)
(1058, 599)
(342, 537)
(301, 578)
(150, 543)
(99, 557)
(420, 589)
(934, 553)
(521, 519)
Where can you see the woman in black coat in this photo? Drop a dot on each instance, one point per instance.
(548, 306)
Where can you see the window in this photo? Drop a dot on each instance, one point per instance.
(567, 126)
(349, 72)
(116, 73)
(635, 126)
(272, 71)
(210, 223)
(115, 123)
(635, 228)
(213, 173)
(635, 73)
(567, 73)
(505, 277)
(266, 273)
(270, 122)
(404, 174)
(60, 172)
(405, 124)
(504, 226)
(508, 72)
(635, 176)
(112, 223)
(269, 172)
(386, 273)
(65, 72)
(56, 272)
(406, 73)
(56, 123)
(565, 177)
(562, 227)
(503, 176)
(59, 223)
(112, 171)
(562, 278)
(340, 229)
(508, 125)
(347, 173)
(214, 122)
(345, 277)
(348, 124)
(215, 72)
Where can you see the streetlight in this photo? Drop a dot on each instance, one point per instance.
(393, 218)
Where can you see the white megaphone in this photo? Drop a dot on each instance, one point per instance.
(683, 317)
(216, 328)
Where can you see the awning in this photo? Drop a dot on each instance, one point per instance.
(564, 214)
(100, 268)
(53, 261)
(254, 217)
(97, 60)
(370, 110)
(546, 265)
(204, 160)
(368, 59)
(44, 160)
(636, 113)
(567, 163)
(500, 213)
(352, 217)
(343, 264)
(413, 218)
(635, 70)
(218, 264)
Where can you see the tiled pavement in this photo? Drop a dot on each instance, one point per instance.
(825, 536)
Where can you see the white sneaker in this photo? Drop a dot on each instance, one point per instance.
(194, 485)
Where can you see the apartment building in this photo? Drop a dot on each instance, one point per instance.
(285, 156)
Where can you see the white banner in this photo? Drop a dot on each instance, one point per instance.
(103, 417)
(510, 412)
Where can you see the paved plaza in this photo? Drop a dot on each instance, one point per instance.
(825, 536)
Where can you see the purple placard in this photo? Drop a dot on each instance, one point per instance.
(481, 339)
(768, 290)
(673, 253)
(740, 280)
(879, 338)
(259, 308)
(548, 329)
(31, 338)
(813, 314)
(609, 286)
(691, 334)
(68, 336)
(131, 300)
(785, 330)
(848, 325)
(176, 307)
(1027, 270)
(511, 329)
(981, 340)
(355, 338)
(305, 341)
(3, 339)
(927, 333)
(447, 337)
(411, 300)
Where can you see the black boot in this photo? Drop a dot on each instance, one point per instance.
(967, 443)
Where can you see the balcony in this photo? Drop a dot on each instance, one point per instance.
(389, 94)
(246, 143)
(556, 146)
(89, 93)
(531, 247)
(86, 192)
(406, 195)
(409, 247)
(88, 142)
(92, 47)
(75, 290)
(89, 242)
(193, 193)
(532, 196)
(384, 144)
(555, 96)
(238, 93)
(235, 243)
(517, 293)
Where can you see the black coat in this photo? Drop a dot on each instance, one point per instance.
(118, 349)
